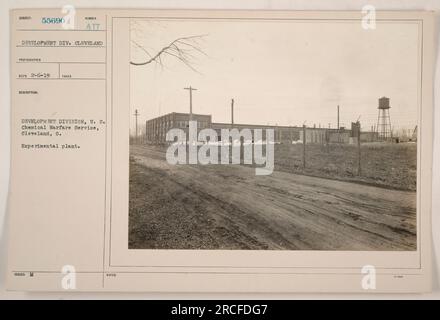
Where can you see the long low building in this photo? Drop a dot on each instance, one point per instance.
(157, 128)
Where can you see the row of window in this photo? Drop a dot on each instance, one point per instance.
(180, 124)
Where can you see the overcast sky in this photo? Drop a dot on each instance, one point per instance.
(281, 73)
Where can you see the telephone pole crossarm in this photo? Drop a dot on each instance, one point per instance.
(190, 89)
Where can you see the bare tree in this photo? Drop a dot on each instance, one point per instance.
(182, 49)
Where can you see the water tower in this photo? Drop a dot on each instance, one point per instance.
(383, 119)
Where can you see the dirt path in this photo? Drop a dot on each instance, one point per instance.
(228, 207)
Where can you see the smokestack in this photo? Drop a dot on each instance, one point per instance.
(232, 111)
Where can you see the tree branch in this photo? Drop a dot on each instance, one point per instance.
(179, 48)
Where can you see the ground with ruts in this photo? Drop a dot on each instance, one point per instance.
(229, 207)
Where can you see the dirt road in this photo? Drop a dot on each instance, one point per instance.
(229, 207)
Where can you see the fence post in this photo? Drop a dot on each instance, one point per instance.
(304, 146)
(359, 148)
(242, 150)
(327, 140)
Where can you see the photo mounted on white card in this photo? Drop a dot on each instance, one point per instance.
(290, 150)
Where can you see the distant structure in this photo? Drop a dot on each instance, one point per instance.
(414, 135)
(383, 120)
(156, 129)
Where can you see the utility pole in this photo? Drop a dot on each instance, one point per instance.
(358, 124)
(189, 138)
(414, 133)
(232, 112)
(338, 120)
(136, 114)
(304, 146)
(190, 89)
(338, 127)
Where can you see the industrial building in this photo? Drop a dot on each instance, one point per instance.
(157, 128)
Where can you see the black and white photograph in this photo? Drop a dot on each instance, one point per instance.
(266, 134)
(227, 151)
